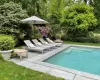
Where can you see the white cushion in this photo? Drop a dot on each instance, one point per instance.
(45, 43)
(51, 41)
(39, 44)
(31, 45)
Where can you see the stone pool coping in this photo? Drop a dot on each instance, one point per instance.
(71, 71)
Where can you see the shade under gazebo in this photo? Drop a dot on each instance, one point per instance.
(34, 20)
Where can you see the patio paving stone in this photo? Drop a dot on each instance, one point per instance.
(62, 74)
(26, 64)
(82, 78)
(41, 68)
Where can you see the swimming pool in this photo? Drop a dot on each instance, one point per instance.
(78, 58)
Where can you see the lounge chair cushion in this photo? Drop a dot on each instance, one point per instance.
(39, 44)
(31, 45)
(45, 43)
(50, 41)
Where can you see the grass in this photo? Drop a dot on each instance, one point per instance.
(11, 71)
(81, 43)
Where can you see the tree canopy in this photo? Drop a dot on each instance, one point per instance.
(79, 16)
(10, 16)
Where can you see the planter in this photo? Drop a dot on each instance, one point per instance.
(6, 54)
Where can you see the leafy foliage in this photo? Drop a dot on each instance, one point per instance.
(73, 17)
(55, 8)
(6, 42)
(79, 19)
(96, 6)
(36, 33)
(33, 7)
(10, 16)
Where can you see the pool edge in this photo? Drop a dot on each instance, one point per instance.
(72, 71)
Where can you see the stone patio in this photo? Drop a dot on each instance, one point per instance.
(34, 62)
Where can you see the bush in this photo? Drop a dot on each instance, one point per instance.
(58, 36)
(79, 19)
(96, 39)
(55, 28)
(37, 36)
(82, 39)
(11, 15)
(91, 37)
(6, 42)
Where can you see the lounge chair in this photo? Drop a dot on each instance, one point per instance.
(32, 47)
(52, 42)
(46, 43)
(37, 43)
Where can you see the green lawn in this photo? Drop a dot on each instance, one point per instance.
(11, 71)
(80, 43)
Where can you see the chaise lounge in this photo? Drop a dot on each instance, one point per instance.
(52, 42)
(46, 43)
(37, 43)
(32, 47)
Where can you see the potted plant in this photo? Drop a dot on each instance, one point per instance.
(58, 37)
(7, 43)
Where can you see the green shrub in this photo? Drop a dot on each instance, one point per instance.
(82, 39)
(6, 42)
(11, 15)
(78, 19)
(58, 36)
(96, 39)
(90, 34)
(37, 36)
(55, 28)
(91, 37)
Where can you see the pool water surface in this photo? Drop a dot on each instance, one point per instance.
(78, 58)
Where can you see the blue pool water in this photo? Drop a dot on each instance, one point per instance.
(83, 59)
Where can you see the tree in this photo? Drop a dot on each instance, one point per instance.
(96, 6)
(55, 8)
(79, 19)
(10, 16)
(33, 7)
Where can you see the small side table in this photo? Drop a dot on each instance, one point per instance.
(21, 52)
